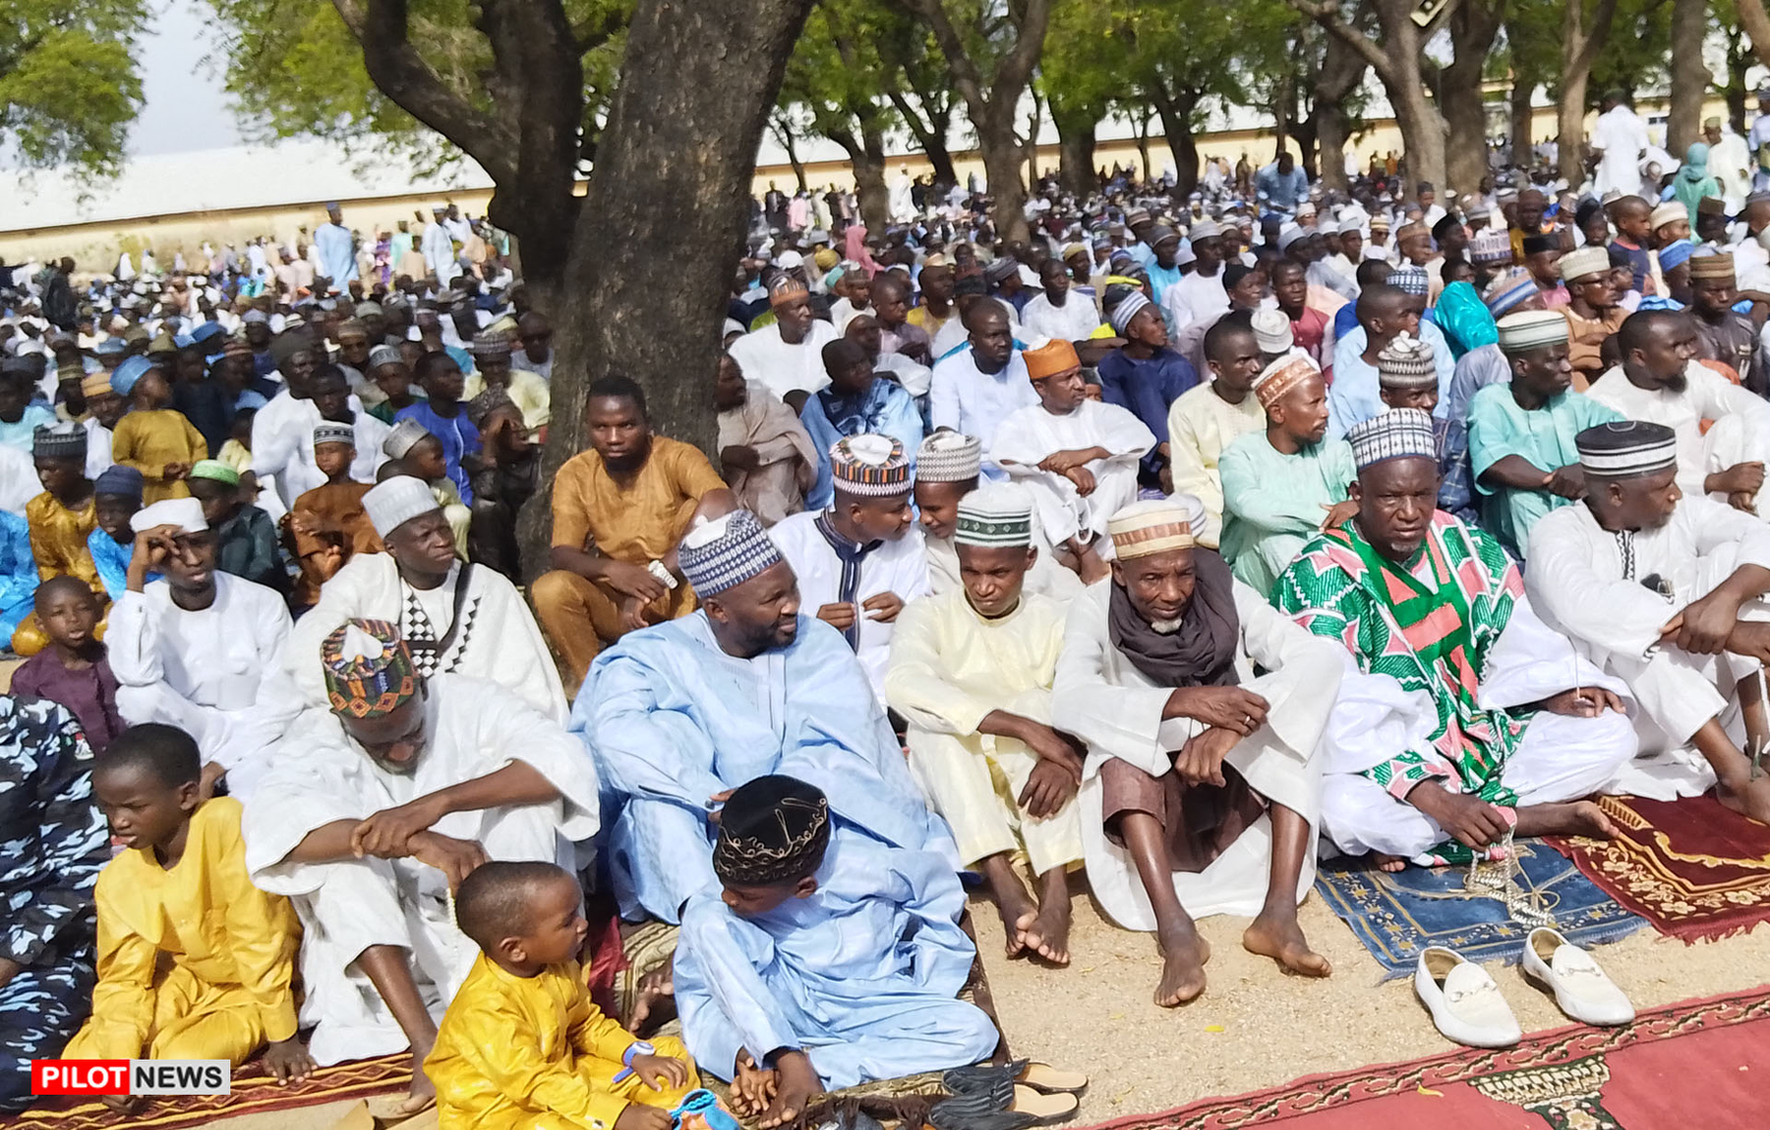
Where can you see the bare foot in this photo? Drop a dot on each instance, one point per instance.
(751, 1086)
(1387, 862)
(1018, 914)
(657, 997)
(797, 1084)
(422, 1093)
(1184, 954)
(1277, 935)
(1577, 818)
(1751, 798)
(1048, 934)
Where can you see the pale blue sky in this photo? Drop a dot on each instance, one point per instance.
(185, 107)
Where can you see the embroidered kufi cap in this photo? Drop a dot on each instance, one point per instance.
(785, 289)
(1576, 265)
(393, 503)
(402, 438)
(1715, 265)
(330, 432)
(726, 551)
(368, 669)
(948, 457)
(1530, 329)
(1411, 279)
(1120, 318)
(1400, 433)
(1282, 376)
(1668, 213)
(995, 514)
(1150, 526)
(1406, 363)
(491, 345)
(1623, 448)
(1272, 331)
(772, 830)
(1490, 246)
(59, 441)
(868, 464)
(216, 470)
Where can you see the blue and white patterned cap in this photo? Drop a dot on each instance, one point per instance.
(726, 552)
(1400, 433)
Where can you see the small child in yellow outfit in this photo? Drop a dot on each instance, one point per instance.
(181, 892)
(522, 1047)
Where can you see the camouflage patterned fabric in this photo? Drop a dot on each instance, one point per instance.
(53, 842)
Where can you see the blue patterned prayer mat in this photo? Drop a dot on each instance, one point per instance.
(1398, 914)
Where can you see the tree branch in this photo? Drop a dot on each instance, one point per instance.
(1327, 14)
(400, 73)
(963, 69)
(597, 30)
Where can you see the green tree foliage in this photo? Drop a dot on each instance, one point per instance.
(296, 70)
(68, 83)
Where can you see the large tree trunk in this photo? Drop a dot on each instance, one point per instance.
(869, 178)
(1523, 118)
(1176, 114)
(1143, 140)
(665, 214)
(1002, 167)
(1422, 127)
(1075, 134)
(1579, 48)
(1473, 28)
(1739, 61)
(1690, 78)
(1342, 69)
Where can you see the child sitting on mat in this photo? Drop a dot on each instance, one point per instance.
(502, 1060)
(180, 897)
(829, 958)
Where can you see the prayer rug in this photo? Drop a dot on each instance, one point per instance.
(1695, 870)
(1397, 914)
(1689, 1064)
(254, 1092)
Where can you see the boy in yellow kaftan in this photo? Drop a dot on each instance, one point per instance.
(182, 889)
(522, 1047)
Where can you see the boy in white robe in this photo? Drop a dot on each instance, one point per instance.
(948, 467)
(200, 649)
(375, 812)
(1157, 677)
(971, 671)
(1659, 382)
(860, 561)
(1078, 456)
(1665, 591)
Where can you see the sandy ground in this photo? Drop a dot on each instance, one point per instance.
(1256, 1027)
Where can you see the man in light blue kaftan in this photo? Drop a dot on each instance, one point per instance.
(678, 714)
(826, 943)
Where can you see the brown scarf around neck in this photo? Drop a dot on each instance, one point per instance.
(1202, 653)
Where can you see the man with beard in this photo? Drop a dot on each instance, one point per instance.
(375, 813)
(678, 715)
(618, 511)
(764, 451)
(1665, 591)
(1660, 382)
(1198, 797)
(1469, 720)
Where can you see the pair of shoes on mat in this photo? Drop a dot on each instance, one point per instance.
(1010, 1096)
(1467, 1007)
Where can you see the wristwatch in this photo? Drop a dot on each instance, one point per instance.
(662, 573)
(637, 1047)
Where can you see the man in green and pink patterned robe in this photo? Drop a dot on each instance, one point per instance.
(1469, 719)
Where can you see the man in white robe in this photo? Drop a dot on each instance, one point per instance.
(1157, 677)
(372, 814)
(975, 389)
(678, 714)
(1078, 456)
(455, 618)
(199, 649)
(1658, 382)
(1619, 139)
(860, 561)
(787, 355)
(971, 671)
(438, 248)
(1665, 591)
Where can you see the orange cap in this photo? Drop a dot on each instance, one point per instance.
(1048, 360)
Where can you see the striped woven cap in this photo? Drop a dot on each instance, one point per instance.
(995, 514)
(869, 464)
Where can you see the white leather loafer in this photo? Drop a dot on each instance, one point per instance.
(1583, 990)
(1464, 1001)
